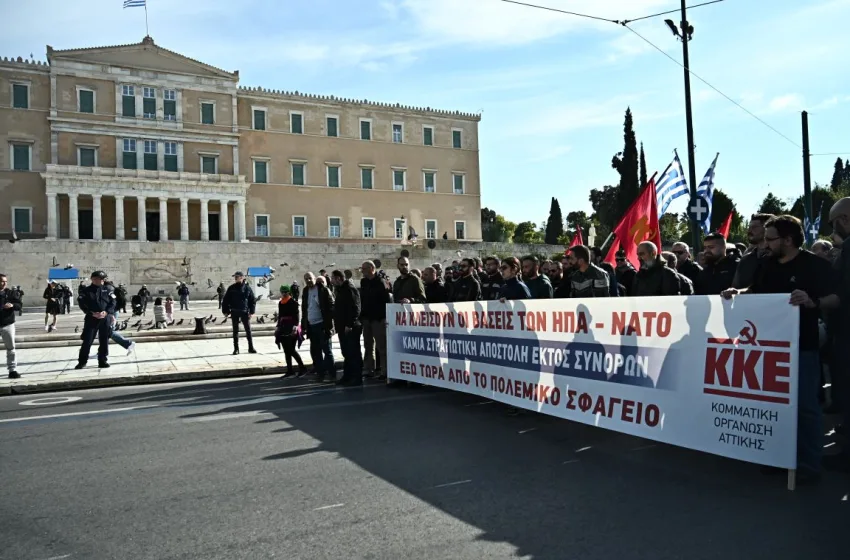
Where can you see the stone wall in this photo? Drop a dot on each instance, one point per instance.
(161, 265)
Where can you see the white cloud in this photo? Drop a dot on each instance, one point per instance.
(787, 102)
(550, 153)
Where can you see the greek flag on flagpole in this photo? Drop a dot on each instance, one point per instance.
(134, 3)
(811, 230)
(671, 185)
(706, 190)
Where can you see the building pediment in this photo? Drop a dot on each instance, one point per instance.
(145, 55)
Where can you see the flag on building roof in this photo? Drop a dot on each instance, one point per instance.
(706, 190)
(134, 3)
(671, 185)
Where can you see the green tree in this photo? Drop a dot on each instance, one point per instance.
(822, 199)
(554, 224)
(578, 218)
(838, 176)
(495, 228)
(721, 205)
(526, 232)
(626, 164)
(605, 206)
(773, 205)
(671, 228)
(643, 177)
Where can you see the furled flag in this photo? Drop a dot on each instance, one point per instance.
(638, 224)
(671, 185)
(134, 4)
(578, 238)
(726, 225)
(810, 230)
(706, 190)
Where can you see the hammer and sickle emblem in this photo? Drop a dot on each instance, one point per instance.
(748, 334)
(640, 231)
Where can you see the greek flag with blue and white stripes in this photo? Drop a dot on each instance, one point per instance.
(811, 232)
(134, 3)
(671, 185)
(706, 190)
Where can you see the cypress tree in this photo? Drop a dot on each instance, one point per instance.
(839, 175)
(643, 177)
(555, 223)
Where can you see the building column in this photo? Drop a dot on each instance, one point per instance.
(205, 219)
(119, 218)
(240, 212)
(52, 222)
(163, 218)
(97, 218)
(224, 222)
(73, 217)
(142, 228)
(184, 219)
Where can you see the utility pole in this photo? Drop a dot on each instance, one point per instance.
(686, 34)
(807, 174)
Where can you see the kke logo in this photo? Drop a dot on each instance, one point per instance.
(640, 231)
(748, 368)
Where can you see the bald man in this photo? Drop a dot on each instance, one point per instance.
(654, 278)
(685, 263)
(839, 325)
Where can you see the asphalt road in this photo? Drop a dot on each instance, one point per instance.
(266, 468)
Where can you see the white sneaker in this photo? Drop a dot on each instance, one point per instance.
(46, 328)
(132, 347)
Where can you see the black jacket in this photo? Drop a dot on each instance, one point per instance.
(93, 299)
(540, 287)
(626, 275)
(326, 304)
(660, 280)
(690, 269)
(409, 287)
(613, 285)
(239, 300)
(288, 315)
(466, 288)
(715, 278)
(346, 307)
(144, 293)
(515, 289)
(491, 286)
(747, 269)
(436, 292)
(374, 297)
(686, 287)
(7, 316)
(183, 291)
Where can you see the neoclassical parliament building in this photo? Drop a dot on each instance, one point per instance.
(139, 143)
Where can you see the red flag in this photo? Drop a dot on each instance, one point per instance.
(638, 224)
(578, 239)
(727, 225)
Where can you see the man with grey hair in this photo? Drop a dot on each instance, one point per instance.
(317, 315)
(654, 278)
(685, 264)
(375, 294)
(821, 248)
(435, 290)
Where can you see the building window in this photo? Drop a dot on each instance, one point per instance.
(457, 136)
(209, 165)
(399, 228)
(333, 175)
(299, 171)
(428, 135)
(365, 129)
(149, 103)
(460, 230)
(150, 155)
(169, 105)
(431, 229)
(85, 100)
(398, 133)
(21, 157)
(128, 101)
(86, 156)
(207, 113)
(296, 122)
(458, 180)
(130, 160)
(399, 179)
(366, 177)
(369, 228)
(429, 179)
(170, 159)
(332, 125)
(261, 171)
(261, 225)
(259, 119)
(21, 96)
(299, 226)
(335, 227)
(22, 219)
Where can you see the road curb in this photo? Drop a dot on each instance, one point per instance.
(22, 388)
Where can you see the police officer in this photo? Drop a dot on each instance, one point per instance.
(97, 301)
(240, 304)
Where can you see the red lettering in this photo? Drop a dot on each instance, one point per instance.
(775, 365)
(715, 366)
(744, 364)
(627, 410)
(400, 318)
(600, 405)
(407, 368)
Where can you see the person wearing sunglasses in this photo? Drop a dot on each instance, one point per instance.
(513, 287)
(466, 287)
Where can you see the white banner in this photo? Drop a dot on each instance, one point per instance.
(697, 371)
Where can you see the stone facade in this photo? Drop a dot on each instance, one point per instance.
(160, 265)
(136, 142)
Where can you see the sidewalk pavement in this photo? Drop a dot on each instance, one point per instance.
(52, 369)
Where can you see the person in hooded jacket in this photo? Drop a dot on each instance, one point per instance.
(287, 334)
(654, 278)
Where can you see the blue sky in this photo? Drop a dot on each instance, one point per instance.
(552, 88)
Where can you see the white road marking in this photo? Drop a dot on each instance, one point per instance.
(328, 507)
(482, 403)
(583, 449)
(85, 413)
(60, 557)
(447, 484)
(50, 400)
(526, 431)
(570, 461)
(830, 444)
(229, 416)
(641, 448)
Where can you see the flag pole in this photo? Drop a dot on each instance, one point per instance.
(147, 30)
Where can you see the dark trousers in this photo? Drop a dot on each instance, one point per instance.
(66, 305)
(246, 322)
(219, 302)
(290, 352)
(95, 327)
(352, 369)
(320, 350)
(184, 303)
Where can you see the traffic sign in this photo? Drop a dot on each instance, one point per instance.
(698, 208)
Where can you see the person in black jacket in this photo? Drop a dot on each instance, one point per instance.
(183, 292)
(435, 290)
(375, 294)
(491, 279)
(240, 304)
(288, 330)
(317, 314)
(219, 292)
(97, 301)
(53, 296)
(347, 324)
(686, 287)
(467, 287)
(120, 298)
(144, 294)
(719, 271)
(513, 288)
(685, 263)
(654, 278)
(538, 285)
(9, 303)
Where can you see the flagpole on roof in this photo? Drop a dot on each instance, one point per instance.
(147, 30)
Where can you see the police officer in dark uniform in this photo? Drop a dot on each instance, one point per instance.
(240, 304)
(97, 301)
